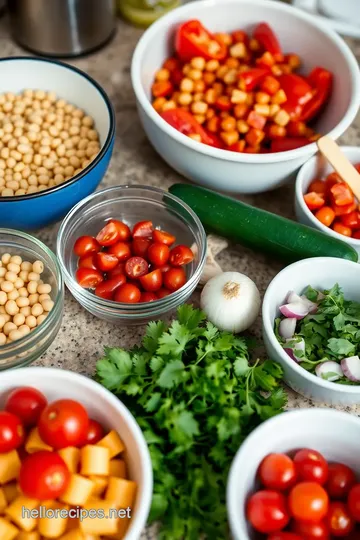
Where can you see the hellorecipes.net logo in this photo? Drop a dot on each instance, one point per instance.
(43, 512)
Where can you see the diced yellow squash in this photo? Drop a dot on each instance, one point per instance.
(113, 442)
(96, 524)
(100, 484)
(74, 534)
(21, 512)
(34, 535)
(3, 501)
(9, 466)
(71, 456)
(78, 490)
(95, 460)
(122, 526)
(11, 491)
(118, 468)
(53, 526)
(8, 531)
(34, 442)
(121, 492)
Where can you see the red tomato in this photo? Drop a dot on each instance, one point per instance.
(85, 245)
(26, 403)
(163, 237)
(354, 502)
(180, 255)
(95, 432)
(164, 268)
(331, 179)
(44, 475)
(136, 267)
(107, 288)
(277, 471)
(108, 235)
(311, 466)
(88, 278)
(351, 220)
(117, 271)
(339, 519)
(318, 186)
(313, 200)
(340, 481)
(128, 293)
(311, 531)
(341, 194)
(266, 510)
(121, 250)
(148, 297)
(174, 279)
(143, 229)
(161, 293)
(308, 501)
(106, 261)
(123, 230)
(11, 432)
(152, 282)
(140, 246)
(158, 254)
(284, 536)
(64, 423)
(88, 261)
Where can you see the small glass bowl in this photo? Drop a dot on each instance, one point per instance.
(27, 349)
(131, 204)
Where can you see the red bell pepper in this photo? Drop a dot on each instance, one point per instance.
(321, 80)
(344, 210)
(313, 200)
(252, 78)
(268, 40)
(162, 88)
(351, 220)
(341, 194)
(184, 122)
(298, 92)
(193, 39)
(288, 143)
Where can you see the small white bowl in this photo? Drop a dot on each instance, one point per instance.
(233, 172)
(335, 434)
(109, 411)
(320, 273)
(318, 167)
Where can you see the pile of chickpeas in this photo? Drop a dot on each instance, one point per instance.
(25, 300)
(44, 141)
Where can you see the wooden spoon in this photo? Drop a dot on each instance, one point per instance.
(346, 170)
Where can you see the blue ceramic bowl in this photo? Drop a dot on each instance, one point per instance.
(34, 211)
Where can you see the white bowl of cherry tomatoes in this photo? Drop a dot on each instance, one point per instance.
(130, 254)
(73, 461)
(297, 477)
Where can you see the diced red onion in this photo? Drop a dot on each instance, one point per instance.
(298, 346)
(311, 306)
(287, 328)
(351, 368)
(292, 297)
(329, 367)
(296, 310)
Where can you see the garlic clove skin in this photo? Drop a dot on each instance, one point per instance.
(231, 301)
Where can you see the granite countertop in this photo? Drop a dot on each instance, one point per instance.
(82, 337)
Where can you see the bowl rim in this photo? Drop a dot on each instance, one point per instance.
(302, 178)
(105, 147)
(106, 395)
(236, 517)
(180, 13)
(268, 329)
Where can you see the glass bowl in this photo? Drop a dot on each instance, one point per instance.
(27, 349)
(131, 204)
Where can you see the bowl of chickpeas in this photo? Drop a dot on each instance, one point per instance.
(57, 130)
(31, 298)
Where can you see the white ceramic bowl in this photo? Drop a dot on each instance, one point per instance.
(299, 32)
(335, 434)
(109, 411)
(321, 273)
(318, 167)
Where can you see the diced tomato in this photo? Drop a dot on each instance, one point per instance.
(325, 215)
(318, 186)
(331, 179)
(256, 120)
(239, 36)
(341, 229)
(351, 220)
(313, 200)
(237, 147)
(253, 77)
(223, 103)
(270, 85)
(296, 129)
(162, 89)
(341, 194)
(171, 64)
(254, 137)
(343, 210)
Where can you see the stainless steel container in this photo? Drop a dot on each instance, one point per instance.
(62, 28)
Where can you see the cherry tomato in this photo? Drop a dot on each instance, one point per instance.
(339, 519)
(311, 466)
(308, 501)
(317, 186)
(121, 250)
(128, 293)
(108, 235)
(140, 246)
(85, 245)
(164, 268)
(107, 288)
(351, 220)
(277, 471)
(266, 510)
(152, 282)
(325, 215)
(64, 423)
(11, 432)
(106, 261)
(88, 278)
(163, 237)
(161, 293)
(341, 229)
(95, 432)
(284, 536)
(123, 230)
(180, 255)
(117, 271)
(354, 502)
(311, 531)
(143, 229)
(44, 475)
(27, 404)
(88, 261)
(340, 481)
(136, 267)
(174, 279)
(148, 297)
(158, 254)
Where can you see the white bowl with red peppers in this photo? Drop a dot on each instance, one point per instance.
(276, 159)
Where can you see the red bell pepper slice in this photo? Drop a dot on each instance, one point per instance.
(253, 77)
(343, 210)
(298, 92)
(313, 200)
(288, 143)
(341, 194)
(321, 79)
(351, 220)
(193, 39)
(268, 40)
(184, 122)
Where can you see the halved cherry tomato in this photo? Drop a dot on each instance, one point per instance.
(148, 297)
(136, 267)
(88, 278)
(106, 261)
(284, 536)
(308, 501)
(121, 250)
(107, 288)
(318, 186)
(185, 123)
(88, 261)
(161, 293)
(313, 200)
(321, 80)
(277, 471)
(311, 466)
(339, 520)
(26, 403)
(143, 229)
(158, 254)
(140, 246)
(85, 245)
(117, 271)
(267, 512)
(353, 502)
(11, 432)
(180, 255)
(288, 143)
(351, 220)
(311, 531)
(163, 237)
(174, 279)
(164, 268)
(95, 432)
(193, 39)
(152, 282)
(341, 194)
(341, 229)
(331, 179)
(128, 293)
(268, 40)
(64, 422)
(108, 235)
(325, 215)
(44, 475)
(123, 230)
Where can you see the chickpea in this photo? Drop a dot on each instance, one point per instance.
(32, 287)
(13, 295)
(30, 321)
(9, 327)
(47, 305)
(2, 339)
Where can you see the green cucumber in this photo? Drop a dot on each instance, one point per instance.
(258, 229)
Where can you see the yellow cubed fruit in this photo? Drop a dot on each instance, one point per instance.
(22, 512)
(118, 468)
(34, 535)
(78, 490)
(122, 526)
(113, 442)
(34, 442)
(9, 466)
(11, 491)
(95, 460)
(3, 501)
(74, 534)
(8, 531)
(94, 524)
(53, 525)
(121, 492)
(99, 485)
(71, 456)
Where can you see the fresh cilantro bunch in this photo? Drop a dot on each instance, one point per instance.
(196, 398)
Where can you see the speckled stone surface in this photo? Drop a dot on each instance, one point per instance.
(81, 339)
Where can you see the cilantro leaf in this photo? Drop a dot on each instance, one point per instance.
(172, 374)
(342, 347)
